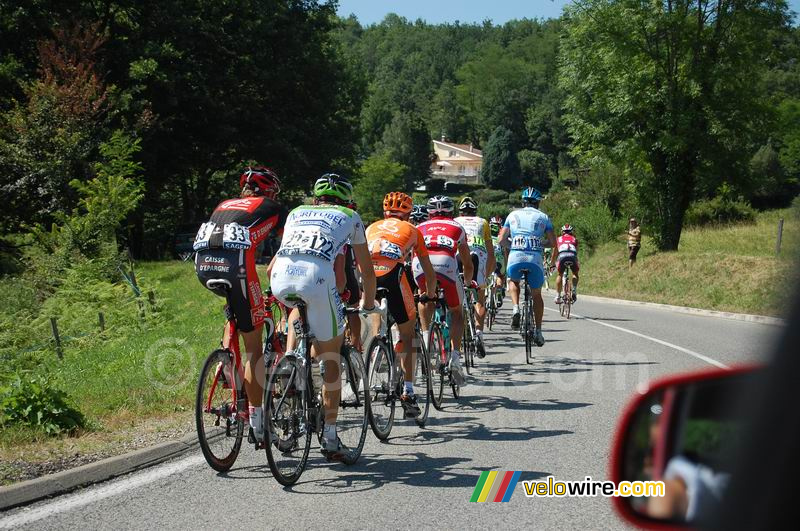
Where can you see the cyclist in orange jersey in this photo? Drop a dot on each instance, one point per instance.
(390, 242)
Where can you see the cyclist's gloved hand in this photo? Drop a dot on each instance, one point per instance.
(345, 296)
(364, 306)
(473, 284)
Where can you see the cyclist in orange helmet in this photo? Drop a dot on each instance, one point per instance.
(390, 242)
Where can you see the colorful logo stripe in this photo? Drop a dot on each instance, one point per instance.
(495, 486)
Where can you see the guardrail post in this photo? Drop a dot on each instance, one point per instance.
(56, 337)
(780, 237)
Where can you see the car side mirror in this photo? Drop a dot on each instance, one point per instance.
(682, 431)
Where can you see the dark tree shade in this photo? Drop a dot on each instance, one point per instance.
(501, 169)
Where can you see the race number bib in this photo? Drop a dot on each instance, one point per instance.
(203, 236)
(475, 241)
(441, 241)
(310, 242)
(235, 236)
(567, 248)
(526, 243)
(390, 250)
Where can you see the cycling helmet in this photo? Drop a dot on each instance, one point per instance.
(467, 204)
(531, 195)
(397, 202)
(262, 180)
(419, 213)
(494, 225)
(566, 229)
(335, 186)
(440, 205)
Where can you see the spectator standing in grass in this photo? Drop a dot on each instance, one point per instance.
(634, 240)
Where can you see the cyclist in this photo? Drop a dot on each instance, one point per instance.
(500, 258)
(567, 251)
(526, 228)
(226, 248)
(390, 242)
(419, 213)
(444, 238)
(479, 239)
(304, 269)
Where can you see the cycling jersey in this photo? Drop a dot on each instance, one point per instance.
(567, 246)
(442, 237)
(391, 241)
(226, 248)
(479, 237)
(527, 228)
(312, 238)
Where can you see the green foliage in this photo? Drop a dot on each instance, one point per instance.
(35, 403)
(535, 167)
(501, 167)
(658, 88)
(406, 141)
(377, 176)
(724, 208)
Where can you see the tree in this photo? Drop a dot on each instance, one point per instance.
(535, 167)
(407, 142)
(501, 169)
(376, 177)
(672, 87)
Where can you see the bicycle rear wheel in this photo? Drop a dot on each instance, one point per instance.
(219, 428)
(528, 329)
(380, 370)
(438, 358)
(351, 422)
(288, 425)
(422, 381)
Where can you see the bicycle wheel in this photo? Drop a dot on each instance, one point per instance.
(287, 420)
(528, 330)
(422, 381)
(567, 292)
(438, 358)
(219, 428)
(381, 391)
(351, 422)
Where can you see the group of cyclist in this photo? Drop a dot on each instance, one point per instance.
(423, 249)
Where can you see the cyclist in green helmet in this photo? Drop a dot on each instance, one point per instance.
(313, 237)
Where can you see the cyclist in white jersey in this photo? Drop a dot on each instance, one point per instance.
(479, 239)
(304, 269)
(528, 228)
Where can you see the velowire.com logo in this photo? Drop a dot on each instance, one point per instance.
(494, 486)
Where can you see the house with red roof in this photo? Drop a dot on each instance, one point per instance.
(459, 163)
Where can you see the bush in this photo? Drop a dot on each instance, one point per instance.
(720, 210)
(594, 224)
(33, 403)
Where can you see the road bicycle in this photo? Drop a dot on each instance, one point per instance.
(293, 408)
(491, 300)
(386, 378)
(565, 306)
(526, 319)
(469, 340)
(440, 351)
(221, 404)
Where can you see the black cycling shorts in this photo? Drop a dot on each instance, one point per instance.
(474, 265)
(239, 268)
(400, 299)
(351, 279)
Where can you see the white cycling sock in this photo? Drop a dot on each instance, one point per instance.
(479, 334)
(329, 432)
(515, 309)
(256, 417)
(409, 388)
(456, 355)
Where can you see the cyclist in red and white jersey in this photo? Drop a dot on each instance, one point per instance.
(226, 248)
(567, 248)
(444, 238)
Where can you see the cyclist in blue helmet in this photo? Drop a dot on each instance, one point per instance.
(529, 231)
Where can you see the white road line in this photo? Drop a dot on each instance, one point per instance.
(94, 494)
(697, 355)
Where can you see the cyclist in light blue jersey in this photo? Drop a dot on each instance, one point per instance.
(529, 231)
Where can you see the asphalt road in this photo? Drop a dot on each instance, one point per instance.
(555, 417)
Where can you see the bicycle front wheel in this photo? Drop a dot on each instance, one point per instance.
(438, 358)
(351, 422)
(381, 390)
(219, 427)
(287, 421)
(422, 381)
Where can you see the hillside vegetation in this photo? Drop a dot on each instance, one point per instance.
(728, 268)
